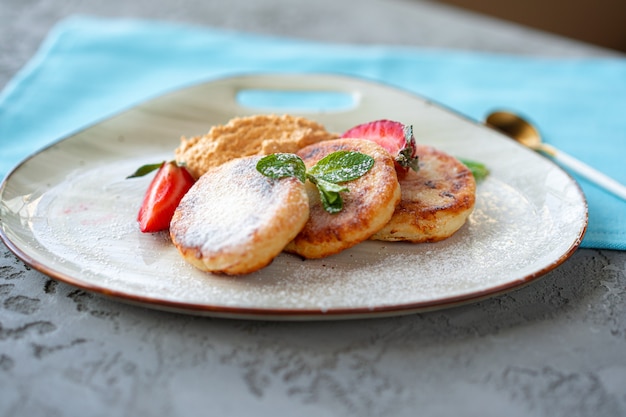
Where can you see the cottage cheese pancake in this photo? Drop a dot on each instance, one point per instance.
(368, 205)
(436, 200)
(235, 220)
(245, 136)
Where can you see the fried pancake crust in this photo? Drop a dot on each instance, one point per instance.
(368, 205)
(436, 200)
(235, 221)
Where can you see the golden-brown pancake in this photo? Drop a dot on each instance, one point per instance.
(368, 205)
(436, 200)
(234, 220)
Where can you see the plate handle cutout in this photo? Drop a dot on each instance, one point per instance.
(318, 101)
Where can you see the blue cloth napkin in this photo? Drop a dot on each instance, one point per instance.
(88, 69)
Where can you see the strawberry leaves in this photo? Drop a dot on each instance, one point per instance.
(407, 158)
(145, 170)
(327, 175)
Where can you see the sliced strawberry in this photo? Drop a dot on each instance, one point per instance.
(167, 188)
(395, 137)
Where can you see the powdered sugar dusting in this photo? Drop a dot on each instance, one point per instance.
(226, 206)
(88, 226)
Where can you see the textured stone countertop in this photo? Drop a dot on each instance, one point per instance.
(554, 348)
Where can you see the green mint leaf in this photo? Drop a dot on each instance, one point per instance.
(479, 170)
(332, 206)
(144, 170)
(327, 185)
(338, 167)
(329, 194)
(281, 165)
(342, 166)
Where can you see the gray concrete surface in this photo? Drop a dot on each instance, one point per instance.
(554, 348)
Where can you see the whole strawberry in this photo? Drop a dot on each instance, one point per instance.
(395, 137)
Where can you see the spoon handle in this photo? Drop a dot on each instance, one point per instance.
(591, 174)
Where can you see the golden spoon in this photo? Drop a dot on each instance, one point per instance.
(522, 131)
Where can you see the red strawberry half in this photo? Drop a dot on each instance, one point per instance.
(167, 188)
(395, 137)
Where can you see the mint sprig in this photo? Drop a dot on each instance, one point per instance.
(329, 194)
(478, 169)
(327, 174)
(281, 165)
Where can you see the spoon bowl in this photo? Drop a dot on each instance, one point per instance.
(519, 129)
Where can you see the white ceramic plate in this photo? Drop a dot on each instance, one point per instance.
(69, 212)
